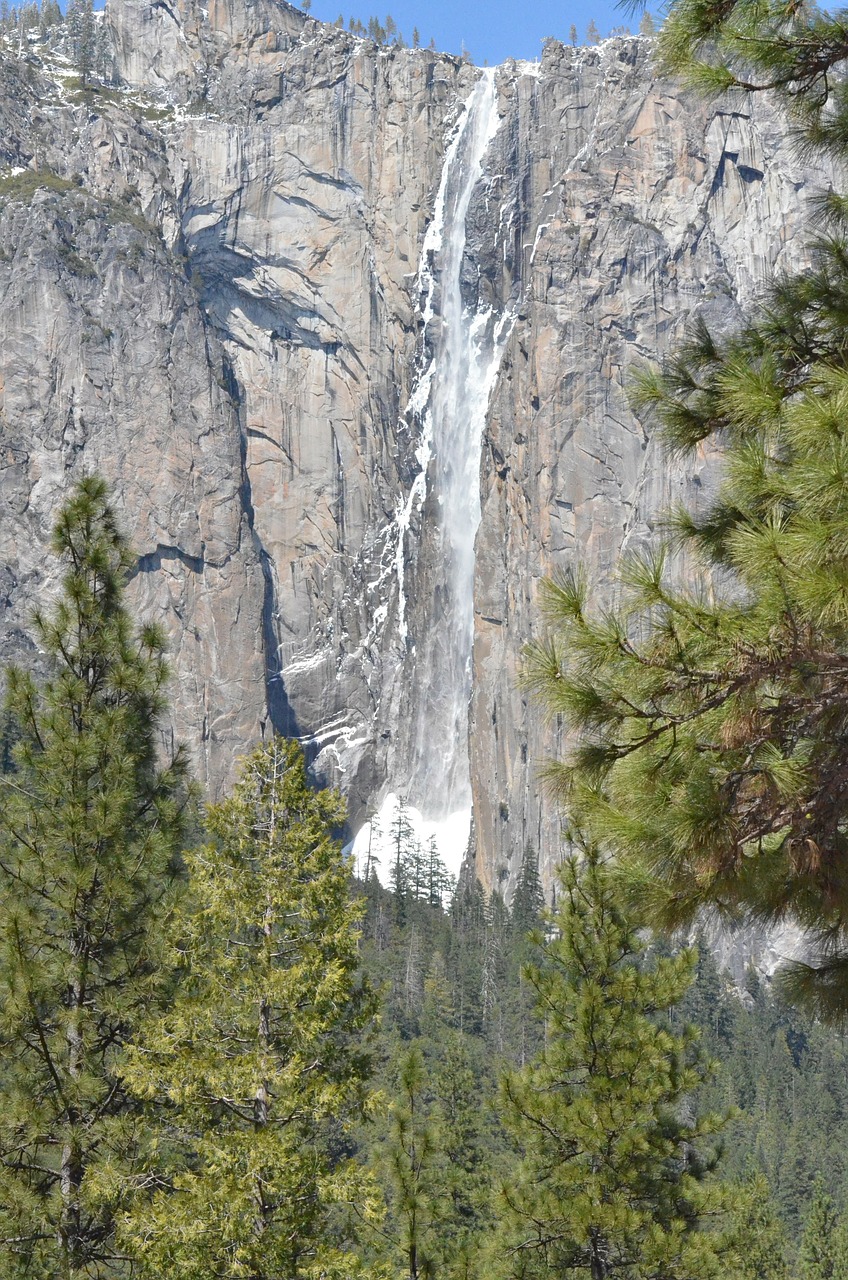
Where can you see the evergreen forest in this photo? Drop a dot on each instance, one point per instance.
(222, 1054)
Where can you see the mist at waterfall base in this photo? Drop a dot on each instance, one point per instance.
(373, 849)
(489, 33)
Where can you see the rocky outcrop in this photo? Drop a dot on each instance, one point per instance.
(107, 363)
(210, 291)
(635, 207)
(221, 304)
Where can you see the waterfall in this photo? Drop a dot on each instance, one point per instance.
(462, 346)
(465, 345)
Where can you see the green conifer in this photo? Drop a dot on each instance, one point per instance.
(81, 30)
(376, 30)
(90, 827)
(789, 47)
(714, 725)
(816, 1259)
(259, 1058)
(840, 1249)
(406, 861)
(528, 901)
(609, 1182)
(440, 883)
(409, 1161)
(465, 1149)
(467, 946)
(759, 1238)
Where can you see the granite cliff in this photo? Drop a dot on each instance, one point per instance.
(299, 297)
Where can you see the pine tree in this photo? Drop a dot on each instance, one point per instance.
(376, 30)
(467, 947)
(440, 883)
(610, 1180)
(647, 26)
(367, 870)
(409, 1162)
(528, 901)
(494, 968)
(81, 30)
(789, 47)
(51, 15)
(714, 725)
(413, 975)
(259, 1057)
(816, 1260)
(840, 1250)
(406, 858)
(102, 60)
(525, 922)
(707, 1003)
(418, 872)
(90, 828)
(464, 1145)
(758, 1236)
(593, 35)
(437, 1157)
(714, 733)
(572, 34)
(438, 1010)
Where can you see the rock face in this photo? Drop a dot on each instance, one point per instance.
(634, 207)
(212, 290)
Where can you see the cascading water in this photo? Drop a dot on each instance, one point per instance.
(465, 353)
(463, 343)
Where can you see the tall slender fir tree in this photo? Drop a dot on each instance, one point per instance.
(90, 828)
(762, 1243)
(409, 1160)
(609, 1182)
(821, 1254)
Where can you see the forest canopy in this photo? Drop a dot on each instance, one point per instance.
(195, 1082)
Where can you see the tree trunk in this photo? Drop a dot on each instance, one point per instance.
(598, 1249)
(71, 1168)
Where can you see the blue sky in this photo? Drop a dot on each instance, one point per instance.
(490, 31)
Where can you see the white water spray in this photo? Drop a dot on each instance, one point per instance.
(465, 344)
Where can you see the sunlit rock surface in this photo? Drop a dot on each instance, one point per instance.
(223, 295)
